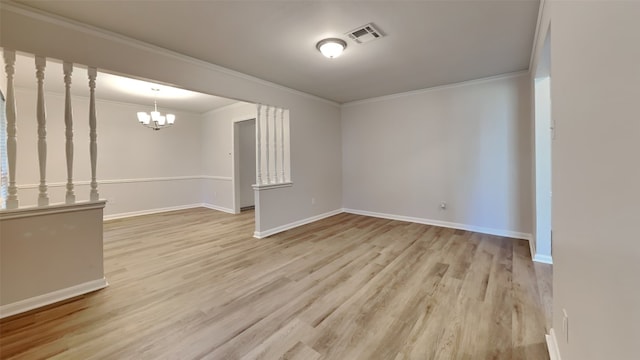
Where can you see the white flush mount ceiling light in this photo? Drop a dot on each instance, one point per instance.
(155, 120)
(331, 48)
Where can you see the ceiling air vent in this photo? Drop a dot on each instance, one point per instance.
(365, 34)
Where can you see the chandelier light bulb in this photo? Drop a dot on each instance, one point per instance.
(143, 117)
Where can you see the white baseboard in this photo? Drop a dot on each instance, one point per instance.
(150, 211)
(216, 207)
(166, 209)
(535, 256)
(545, 259)
(532, 247)
(264, 234)
(52, 297)
(479, 229)
(552, 346)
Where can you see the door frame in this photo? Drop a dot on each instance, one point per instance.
(235, 159)
(543, 143)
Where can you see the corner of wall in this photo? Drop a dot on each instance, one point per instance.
(552, 346)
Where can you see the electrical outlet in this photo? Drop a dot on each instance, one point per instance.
(443, 205)
(313, 201)
(565, 325)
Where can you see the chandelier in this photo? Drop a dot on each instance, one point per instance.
(155, 120)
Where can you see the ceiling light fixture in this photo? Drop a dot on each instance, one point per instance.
(331, 48)
(155, 120)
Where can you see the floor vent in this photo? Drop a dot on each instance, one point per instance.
(365, 34)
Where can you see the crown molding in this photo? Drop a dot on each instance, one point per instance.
(228, 107)
(437, 88)
(109, 35)
(134, 106)
(536, 34)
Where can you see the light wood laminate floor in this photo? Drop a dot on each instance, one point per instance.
(195, 284)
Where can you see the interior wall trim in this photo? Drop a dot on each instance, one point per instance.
(278, 229)
(166, 209)
(30, 211)
(149, 211)
(212, 177)
(452, 225)
(532, 246)
(230, 107)
(552, 346)
(541, 258)
(483, 230)
(134, 106)
(219, 208)
(52, 297)
(536, 35)
(436, 88)
(129, 181)
(272, 186)
(96, 31)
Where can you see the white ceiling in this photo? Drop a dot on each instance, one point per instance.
(116, 88)
(428, 43)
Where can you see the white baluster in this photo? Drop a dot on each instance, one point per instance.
(258, 144)
(267, 144)
(274, 172)
(67, 68)
(275, 145)
(282, 163)
(43, 197)
(93, 146)
(12, 142)
(286, 146)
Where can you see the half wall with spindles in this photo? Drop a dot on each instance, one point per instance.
(272, 148)
(61, 238)
(13, 121)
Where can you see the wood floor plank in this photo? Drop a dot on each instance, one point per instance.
(195, 284)
(280, 342)
(301, 352)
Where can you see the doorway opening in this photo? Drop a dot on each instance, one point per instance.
(544, 132)
(244, 164)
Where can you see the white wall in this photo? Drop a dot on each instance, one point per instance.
(137, 167)
(217, 148)
(466, 144)
(595, 66)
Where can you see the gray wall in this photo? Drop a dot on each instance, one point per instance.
(49, 254)
(247, 161)
(595, 71)
(467, 144)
